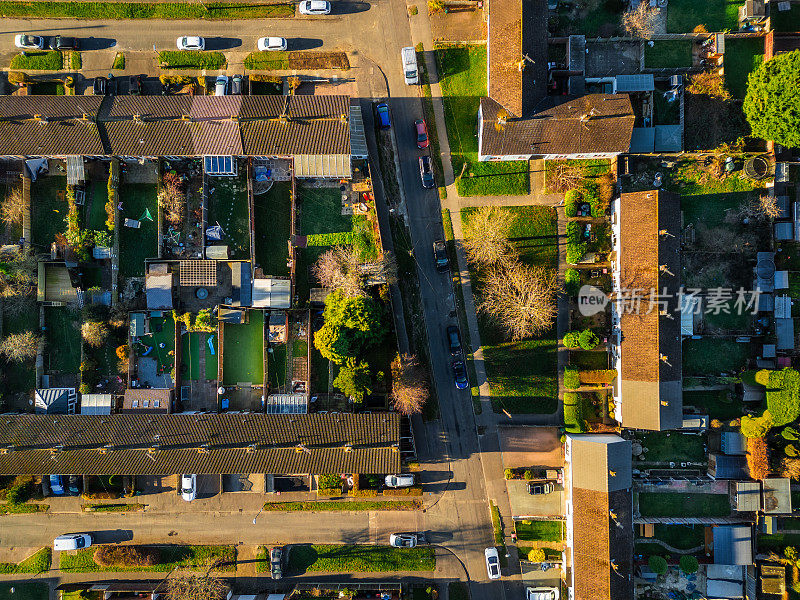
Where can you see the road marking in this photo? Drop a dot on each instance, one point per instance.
(373, 527)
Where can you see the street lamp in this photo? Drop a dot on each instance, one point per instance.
(257, 514)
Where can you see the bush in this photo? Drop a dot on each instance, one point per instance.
(343, 238)
(330, 481)
(572, 282)
(688, 564)
(790, 449)
(571, 339)
(414, 490)
(598, 377)
(575, 252)
(758, 457)
(126, 556)
(572, 380)
(657, 564)
(571, 200)
(119, 61)
(790, 433)
(573, 413)
(756, 427)
(508, 473)
(191, 59)
(20, 491)
(588, 339)
(527, 475)
(783, 396)
(536, 555)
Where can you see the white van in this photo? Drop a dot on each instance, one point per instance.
(410, 65)
(72, 541)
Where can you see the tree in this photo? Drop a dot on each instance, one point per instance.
(772, 103)
(197, 587)
(641, 20)
(18, 347)
(536, 555)
(571, 339)
(520, 299)
(352, 325)
(486, 234)
(588, 340)
(756, 427)
(12, 208)
(354, 380)
(657, 564)
(94, 333)
(688, 564)
(410, 388)
(757, 457)
(338, 269)
(766, 207)
(172, 198)
(790, 467)
(18, 282)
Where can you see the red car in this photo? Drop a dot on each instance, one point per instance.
(422, 133)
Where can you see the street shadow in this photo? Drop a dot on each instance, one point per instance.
(303, 43)
(349, 8)
(112, 536)
(222, 43)
(97, 43)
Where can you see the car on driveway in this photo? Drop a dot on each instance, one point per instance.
(61, 42)
(440, 255)
(314, 7)
(382, 116)
(191, 42)
(460, 375)
(276, 562)
(492, 563)
(426, 172)
(221, 86)
(421, 130)
(237, 85)
(269, 44)
(541, 593)
(189, 487)
(29, 42)
(57, 485)
(399, 481)
(72, 541)
(135, 84)
(100, 86)
(403, 540)
(454, 340)
(540, 488)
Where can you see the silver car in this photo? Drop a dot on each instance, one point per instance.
(399, 481)
(191, 42)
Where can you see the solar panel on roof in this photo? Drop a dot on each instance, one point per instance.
(221, 166)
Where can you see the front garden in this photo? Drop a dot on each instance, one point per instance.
(306, 558)
(159, 559)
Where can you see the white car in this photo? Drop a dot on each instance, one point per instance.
(191, 42)
(188, 487)
(72, 541)
(29, 42)
(315, 7)
(403, 540)
(541, 593)
(492, 562)
(399, 481)
(272, 43)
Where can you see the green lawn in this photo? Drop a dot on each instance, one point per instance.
(20, 377)
(143, 10)
(63, 350)
(319, 371)
(191, 59)
(522, 375)
(276, 366)
(190, 355)
(243, 355)
(682, 537)
(462, 75)
(668, 54)
(96, 211)
(735, 320)
(777, 540)
(543, 531)
(718, 403)
(38, 60)
(172, 557)
(135, 245)
(36, 563)
(785, 20)
(339, 506)
(712, 356)
(272, 228)
(673, 446)
(30, 590)
(212, 360)
(742, 55)
(47, 88)
(167, 337)
(717, 15)
(48, 210)
(669, 504)
(342, 558)
(589, 360)
(228, 207)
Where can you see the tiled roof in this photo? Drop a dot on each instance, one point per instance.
(595, 123)
(148, 107)
(206, 443)
(216, 138)
(301, 107)
(49, 107)
(324, 136)
(155, 138)
(650, 348)
(54, 138)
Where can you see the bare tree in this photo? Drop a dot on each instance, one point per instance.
(564, 175)
(11, 209)
(339, 269)
(764, 208)
(18, 283)
(197, 587)
(640, 21)
(520, 299)
(486, 234)
(409, 385)
(18, 347)
(172, 198)
(94, 333)
(383, 269)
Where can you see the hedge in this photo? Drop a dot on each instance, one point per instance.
(572, 380)
(575, 252)
(414, 490)
(191, 59)
(571, 200)
(783, 396)
(343, 238)
(572, 282)
(588, 340)
(41, 60)
(599, 377)
(573, 413)
(571, 340)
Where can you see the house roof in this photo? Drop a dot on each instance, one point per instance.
(733, 545)
(150, 400)
(141, 444)
(723, 466)
(159, 291)
(53, 400)
(650, 347)
(600, 463)
(594, 123)
(777, 496)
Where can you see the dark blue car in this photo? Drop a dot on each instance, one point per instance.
(460, 375)
(382, 112)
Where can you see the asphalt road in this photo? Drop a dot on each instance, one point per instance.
(376, 32)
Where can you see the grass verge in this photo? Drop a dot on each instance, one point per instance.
(343, 506)
(22, 509)
(133, 507)
(192, 59)
(172, 557)
(37, 563)
(143, 10)
(119, 61)
(363, 559)
(38, 60)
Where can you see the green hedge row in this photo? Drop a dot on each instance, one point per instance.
(191, 59)
(574, 413)
(343, 238)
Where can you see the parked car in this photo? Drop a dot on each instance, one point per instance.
(426, 172)
(276, 562)
(314, 7)
(189, 487)
(460, 375)
(56, 485)
(540, 488)
(541, 593)
(72, 485)
(399, 481)
(191, 42)
(135, 85)
(271, 44)
(237, 85)
(29, 42)
(382, 116)
(72, 541)
(100, 86)
(492, 562)
(61, 42)
(440, 255)
(454, 340)
(403, 540)
(221, 86)
(422, 133)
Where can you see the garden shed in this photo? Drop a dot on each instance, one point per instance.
(734, 443)
(777, 497)
(748, 496)
(159, 291)
(784, 231)
(272, 293)
(733, 545)
(55, 401)
(722, 466)
(96, 404)
(722, 588)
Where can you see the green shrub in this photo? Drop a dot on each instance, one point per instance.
(573, 413)
(574, 232)
(756, 427)
(657, 564)
(191, 59)
(527, 475)
(688, 564)
(536, 555)
(572, 380)
(508, 473)
(600, 376)
(790, 433)
(575, 252)
(572, 282)
(344, 238)
(571, 200)
(571, 339)
(42, 60)
(329, 481)
(414, 490)
(783, 396)
(791, 451)
(588, 339)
